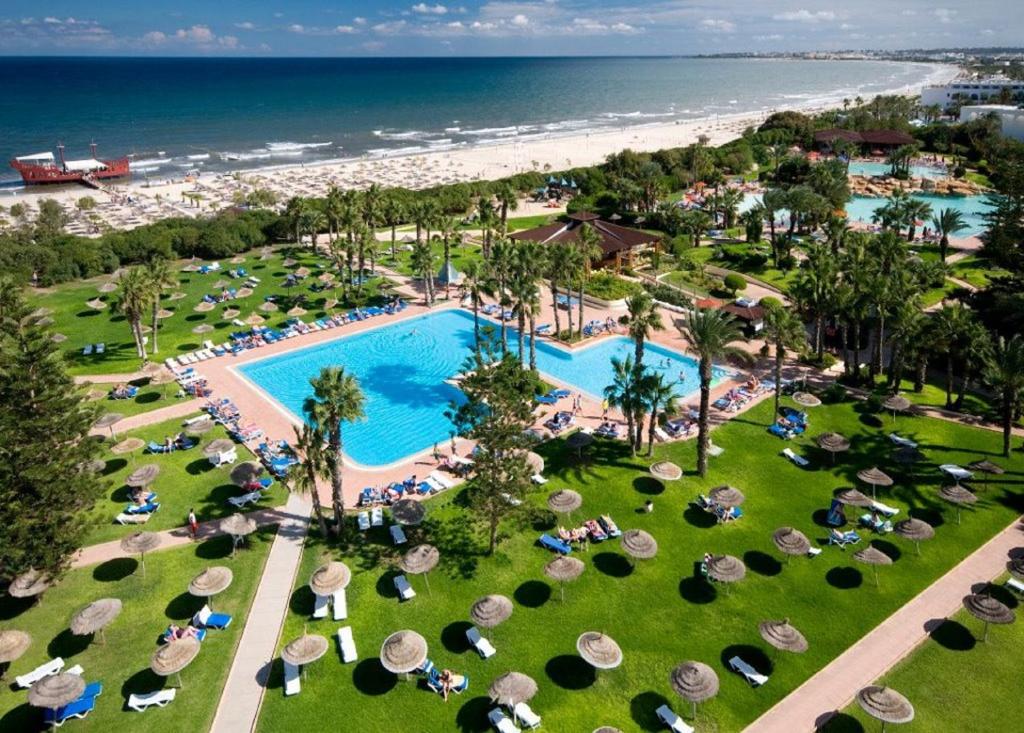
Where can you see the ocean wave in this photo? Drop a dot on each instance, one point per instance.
(509, 131)
(150, 162)
(634, 115)
(404, 135)
(288, 147)
(199, 156)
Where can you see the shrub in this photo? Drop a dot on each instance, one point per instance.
(770, 303)
(834, 393)
(734, 283)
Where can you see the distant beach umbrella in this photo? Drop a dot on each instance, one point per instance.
(852, 497)
(246, 472)
(564, 501)
(491, 610)
(128, 445)
(171, 658)
(95, 394)
(325, 277)
(408, 512)
(239, 526)
(289, 262)
(403, 652)
(95, 465)
(202, 328)
(783, 636)
(304, 650)
(268, 307)
(607, 729)
(874, 557)
(139, 543)
(29, 584)
(161, 379)
(329, 578)
(220, 445)
(791, 542)
(579, 440)
(666, 471)
(95, 617)
(255, 320)
(177, 296)
(896, 403)
(220, 284)
(96, 304)
(1016, 567)
(639, 544)
(210, 582)
(56, 691)
(958, 496)
(142, 476)
(296, 312)
(107, 287)
(726, 569)
(237, 260)
(151, 367)
(833, 443)
(164, 313)
(58, 338)
(874, 477)
(885, 704)
(987, 609)
(694, 682)
(512, 688)
(536, 462)
(231, 312)
(420, 560)
(806, 399)
(915, 530)
(988, 468)
(726, 496)
(564, 569)
(599, 650)
(200, 427)
(303, 272)
(243, 293)
(13, 644)
(108, 420)
(331, 303)
(204, 307)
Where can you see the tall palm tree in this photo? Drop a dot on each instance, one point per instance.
(530, 263)
(951, 325)
(660, 396)
(644, 318)
(560, 263)
(422, 262)
(1005, 374)
(314, 467)
(293, 211)
(916, 210)
(508, 200)
(311, 221)
(134, 297)
(814, 289)
(729, 204)
(947, 222)
(588, 245)
(624, 393)
(160, 277)
(486, 217)
(449, 229)
(392, 214)
(709, 336)
(695, 222)
(784, 331)
(502, 263)
(334, 210)
(336, 399)
(476, 284)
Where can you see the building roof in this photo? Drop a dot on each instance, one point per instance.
(870, 137)
(748, 313)
(614, 238)
(831, 135)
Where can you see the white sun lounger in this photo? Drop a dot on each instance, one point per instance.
(667, 716)
(956, 472)
(77, 669)
(376, 517)
(525, 715)
(715, 450)
(397, 534)
(442, 481)
(405, 591)
(240, 501)
(43, 670)
(292, 686)
(160, 698)
(901, 441)
(320, 606)
(798, 460)
(1015, 585)
(363, 519)
(347, 645)
(752, 675)
(124, 518)
(661, 435)
(339, 603)
(482, 645)
(889, 511)
(501, 722)
(538, 479)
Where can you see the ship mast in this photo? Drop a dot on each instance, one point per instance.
(60, 152)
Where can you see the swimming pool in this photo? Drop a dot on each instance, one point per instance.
(875, 168)
(973, 209)
(402, 368)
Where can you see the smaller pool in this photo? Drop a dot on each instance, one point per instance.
(972, 208)
(878, 168)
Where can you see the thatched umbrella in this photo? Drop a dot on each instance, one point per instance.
(874, 557)
(806, 399)
(210, 582)
(329, 578)
(490, 611)
(791, 542)
(242, 293)
(403, 652)
(139, 543)
(852, 497)
(96, 304)
(988, 468)
(296, 312)
(694, 682)
(56, 691)
(268, 306)
(303, 272)
(220, 284)
(607, 729)
(29, 584)
(986, 608)
(142, 476)
(599, 650)
(726, 569)
(564, 501)
(874, 477)
(578, 441)
(164, 313)
(58, 338)
(204, 307)
(177, 296)
(128, 445)
(408, 512)
(108, 420)
(161, 380)
(202, 328)
(13, 644)
(1016, 567)
(239, 526)
(535, 461)
(639, 545)
(726, 496)
(151, 368)
(564, 569)
(246, 472)
(220, 445)
(420, 560)
(783, 636)
(305, 650)
(95, 617)
(896, 403)
(833, 443)
(666, 471)
(174, 656)
(107, 287)
(230, 313)
(885, 704)
(915, 530)
(95, 465)
(512, 688)
(958, 496)
(255, 320)
(200, 427)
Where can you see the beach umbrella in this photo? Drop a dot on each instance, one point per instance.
(578, 441)
(174, 656)
(128, 445)
(639, 545)
(896, 403)
(108, 421)
(150, 368)
(783, 636)
(268, 306)
(29, 584)
(607, 729)
(58, 338)
(142, 476)
(231, 312)
(666, 471)
(210, 582)
(139, 543)
(536, 462)
(694, 682)
(403, 652)
(56, 691)
(246, 472)
(408, 512)
(726, 569)
(239, 526)
(1016, 567)
(490, 611)
(304, 650)
(420, 560)
(96, 304)
(958, 496)
(95, 465)
(200, 427)
(874, 557)
(726, 496)
(599, 650)
(987, 609)
(220, 284)
(564, 569)
(177, 296)
(204, 307)
(296, 311)
(220, 445)
(988, 468)
(833, 443)
(202, 328)
(242, 293)
(164, 313)
(161, 379)
(95, 617)
(329, 578)
(95, 394)
(874, 477)
(107, 287)
(791, 542)
(915, 530)
(303, 272)
(564, 501)
(255, 320)
(512, 688)
(289, 262)
(13, 644)
(806, 399)
(885, 704)
(331, 303)
(325, 277)
(852, 497)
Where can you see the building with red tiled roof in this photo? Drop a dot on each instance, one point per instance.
(620, 244)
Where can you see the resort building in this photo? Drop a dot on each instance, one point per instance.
(620, 245)
(1011, 118)
(869, 140)
(971, 91)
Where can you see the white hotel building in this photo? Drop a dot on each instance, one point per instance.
(971, 91)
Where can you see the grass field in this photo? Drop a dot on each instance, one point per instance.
(148, 398)
(122, 663)
(660, 612)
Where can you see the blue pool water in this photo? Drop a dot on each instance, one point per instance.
(973, 209)
(402, 368)
(877, 168)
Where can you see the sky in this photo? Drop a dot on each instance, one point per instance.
(496, 27)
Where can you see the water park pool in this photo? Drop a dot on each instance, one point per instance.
(973, 209)
(877, 168)
(402, 370)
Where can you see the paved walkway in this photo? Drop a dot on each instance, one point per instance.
(834, 686)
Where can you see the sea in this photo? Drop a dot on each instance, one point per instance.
(179, 115)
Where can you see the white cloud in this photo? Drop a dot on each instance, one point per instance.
(391, 27)
(155, 38)
(200, 34)
(246, 25)
(945, 15)
(296, 28)
(228, 42)
(805, 16)
(716, 25)
(519, 21)
(345, 29)
(358, 21)
(424, 9)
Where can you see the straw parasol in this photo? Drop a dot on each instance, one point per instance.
(255, 320)
(164, 313)
(150, 368)
(268, 306)
(202, 328)
(237, 260)
(874, 557)
(536, 462)
(177, 296)
(139, 543)
(490, 611)
(420, 560)
(791, 542)
(56, 691)
(161, 379)
(174, 656)
(239, 526)
(296, 311)
(852, 497)
(200, 427)
(986, 608)
(328, 579)
(988, 468)
(305, 650)
(1016, 567)
(13, 644)
(885, 704)
(403, 652)
(243, 293)
(408, 512)
(607, 729)
(222, 283)
(896, 403)
(726, 496)
(29, 584)
(58, 338)
(96, 304)
(874, 477)
(666, 471)
(95, 465)
(128, 445)
(108, 421)
(204, 307)
(246, 472)
(303, 272)
(230, 312)
(694, 682)
(639, 545)
(142, 476)
(564, 501)
(783, 636)
(578, 441)
(599, 650)
(95, 617)
(915, 530)
(95, 394)
(958, 496)
(107, 287)
(833, 443)
(726, 569)
(210, 582)
(512, 688)
(806, 399)
(564, 569)
(220, 445)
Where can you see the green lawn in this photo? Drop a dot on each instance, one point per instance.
(934, 395)
(659, 612)
(461, 256)
(954, 680)
(186, 480)
(977, 271)
(148, 397)
(122, 663)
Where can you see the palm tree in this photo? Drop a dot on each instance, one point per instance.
(293, 213)
(502, 265)
(624, 393)
(311, 221)
(485, 215)
(160, 277)
(1005, 374)
(814, 289)
(422, 262)
(709, 335)
(951, 325)
(783, 330)
(947, 222)
(560, 263)
(449, 227)
(334, 210)
(695, 222)
(336, 399)
(644, 317)
(729, 204)
(508, 200)
(392, 214)
(773, 201)
(476, 285)
(134, 297)
(660, 396)
(916, 209)
(314, 467)
(530, 263)
(588, 245)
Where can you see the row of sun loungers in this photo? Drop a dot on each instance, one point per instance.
(723, 514)
(337, 601)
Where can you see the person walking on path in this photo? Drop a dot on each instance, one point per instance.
(193, 523)
(604, 409)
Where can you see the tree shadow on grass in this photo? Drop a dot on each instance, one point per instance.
(951, 635)
(302, 601)
(762, 563)
(1013, 500)
(929, 515)
(370, 678)
(11, 607)
(453, 637)
(648, 486)
(472, 716)
(846, 578)
(570, 672)
(612, 564)
(642, 709)
(66, 645)
(697, 590)
(113, 466)
(198, 467)
(216, 548)
(532, 594)
(182, 606)
(872, 421)
(841, 723)
(114, 570)
(386, 585)
(752, 655)
(888, 548)
(697, 517)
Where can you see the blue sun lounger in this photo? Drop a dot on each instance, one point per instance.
(547, 399)
(207, 619)
(148, 508)
(77, 709)
(555, 544)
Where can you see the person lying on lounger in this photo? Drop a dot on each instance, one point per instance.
(175, 632)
